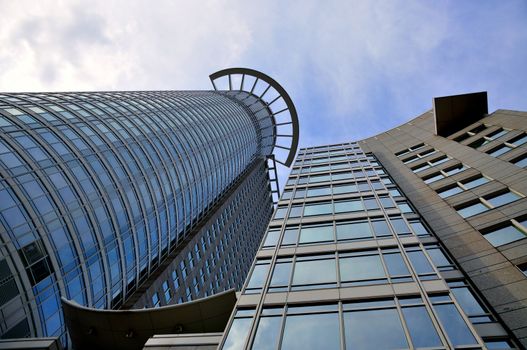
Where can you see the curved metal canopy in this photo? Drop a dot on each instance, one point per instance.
(274, 97)
(130, 329)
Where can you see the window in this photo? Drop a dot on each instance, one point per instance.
(386, 202)
(475, 182)
(456, 328)
(420, 263)
(325, 208)
(354, 230)
(433, 178)
(361, 334)
(318, 191)
(420, 326)
(419, 229)
(281, 274)
(521, 161)
(518, 140)
(404, 207)
(470, 133)
(167, 292)
(300, 193)
(499, 344)
(267, 333)
(239, 330)
(296, 211)
(523, 268)
(304, 330)
(498, 151)
(502, 199)
(272, 238)
(381, 228)
(290, 236)
(507, 234)
(488, 202)
(399, 226)
(496, 134)
(469, 303)
(445, 193)
(315, 271)
(357, 268)
(280, 212)
(348, 206)
(319, 233)
(455, 169)
(258, 276)
(155, 300)
(349, 188)
(439, 160)
(472, 209)
(439, 258)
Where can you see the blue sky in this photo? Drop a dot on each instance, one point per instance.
(352, 68)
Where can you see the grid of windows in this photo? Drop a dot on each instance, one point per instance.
(97, 188)
(495, 141)
(341, 250)
(222, 251)
(486, 203)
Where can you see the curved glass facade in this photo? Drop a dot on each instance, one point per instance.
(97, 188)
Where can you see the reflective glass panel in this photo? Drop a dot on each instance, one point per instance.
(419, 262)
(281, 274)
(290, 236)
(354, 230)
(419, 228)
(472, 210)
(450, 192)
(455, 326)
(314, 331)
(348, 206)
(318, 209)
(504, 235)
(344, 189)
(374, 329)
(272, 238)
(381, 228)
(503, 199)
(315, 272)
(361, 268)
(258, 276)
(519, 140)
(499, 151)
(475, 182)
(267, 333)
(421, 328)
(309, 234)
(395, 264)
(468, 302)
(237, 334)
(318, 191)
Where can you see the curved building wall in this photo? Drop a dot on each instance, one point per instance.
(96, 188)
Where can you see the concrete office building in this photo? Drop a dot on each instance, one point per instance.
(414, 238)
(117, 200)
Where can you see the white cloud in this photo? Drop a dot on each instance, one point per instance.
(355, 67)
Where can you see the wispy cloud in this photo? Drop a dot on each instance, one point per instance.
(353, 68)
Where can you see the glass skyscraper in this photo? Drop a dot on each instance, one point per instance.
(413, 238)
(132, 199)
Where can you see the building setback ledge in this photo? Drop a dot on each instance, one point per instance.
(31, 344)
(130, 329)
(184, 341)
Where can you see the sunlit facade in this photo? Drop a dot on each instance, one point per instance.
(405, 240)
